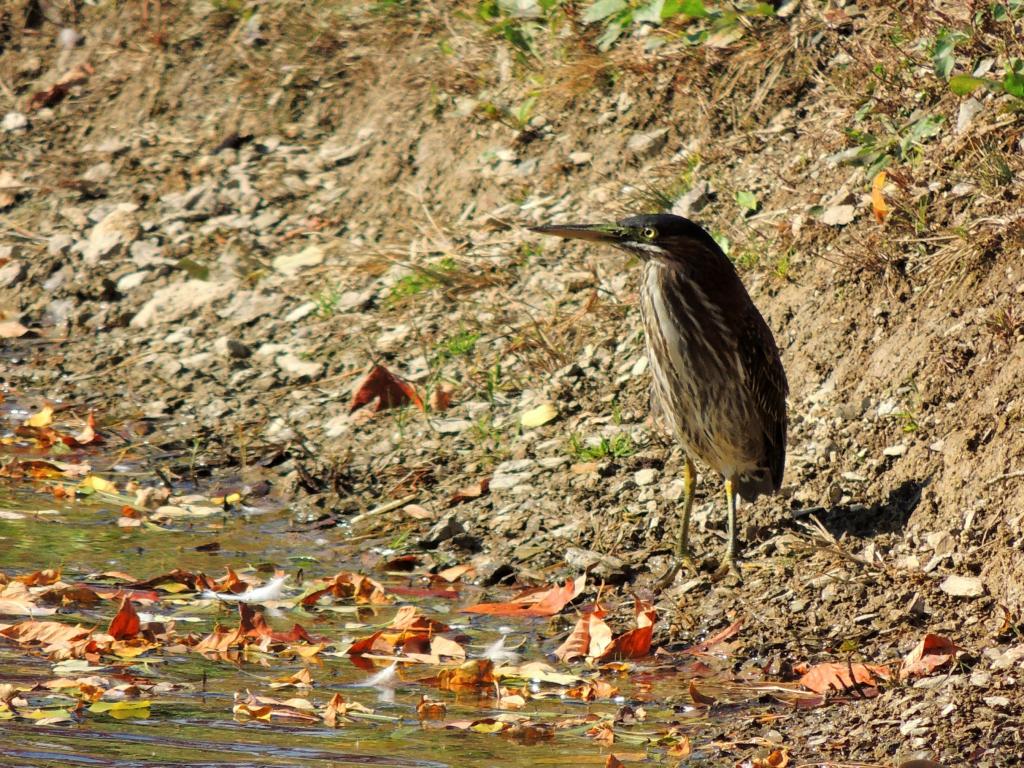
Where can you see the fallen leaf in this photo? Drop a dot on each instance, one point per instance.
(778, 758)
(701, 699)
(430, 709)
(539, 416)
(472, 675)
(42, 419)
(441, 397)
(635, 643)
(60, 89)
(534, 602)
(933, 652)
(590, 637)
(613, 762)
(388, 390)
(470, 492)
(835, 676)
(878, 203)
(345, 585)
(125, 624)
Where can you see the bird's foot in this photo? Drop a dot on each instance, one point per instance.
(729, 569)
(680, 561)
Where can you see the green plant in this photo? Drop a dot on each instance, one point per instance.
(618, 447)
(907, 421)
(460, 343)
(704, 24)
(420, 280)
(900, 142)
(747, 201)
(517, 22)
(327, 301)
(1011, 84)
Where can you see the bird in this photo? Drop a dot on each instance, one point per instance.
(717, 380)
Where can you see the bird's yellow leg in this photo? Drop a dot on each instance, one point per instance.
(729, 564)
(682, 551)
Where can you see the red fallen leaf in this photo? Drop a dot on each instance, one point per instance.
(534, 602)
(613, 762)
(470, 492)
(125, 624)
(835, 676)
(635, 643)
(701, 699)
(932, 652)
(387, 389)
(254, 624)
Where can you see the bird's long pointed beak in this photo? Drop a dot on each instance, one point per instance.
(601, 233)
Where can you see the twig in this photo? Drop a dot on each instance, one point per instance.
(389, 507)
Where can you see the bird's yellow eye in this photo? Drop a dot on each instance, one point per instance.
(648, 233)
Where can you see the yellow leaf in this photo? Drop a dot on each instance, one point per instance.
(98, 484)
(542, 414)
(42, 419)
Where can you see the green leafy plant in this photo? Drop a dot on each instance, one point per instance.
(747, 201)
(1011, 84)
(617, 447)
(900, 142)
(420, 281)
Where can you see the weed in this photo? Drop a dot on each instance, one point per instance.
(783, 266)
(461, 343)
(327, 301)
(747, 259)
(420, 281)
(907, 421)
(901, 143)
(618, 447)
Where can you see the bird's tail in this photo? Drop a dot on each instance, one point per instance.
(752, 484)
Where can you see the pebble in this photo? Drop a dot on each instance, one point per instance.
(177, 300)
(14, 122)
(113, 234)
(962, 586)
(296, 368)
(895, 450)
(642, 145)
(580, 158)
(645, 476)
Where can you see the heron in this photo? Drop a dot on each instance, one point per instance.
(717, 381)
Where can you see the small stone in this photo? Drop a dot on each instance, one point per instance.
(295, 367)
(12, 273)
(14, 122)
(302, 311)
(59, 244)
(68, 38)
(645, 476)
(580, 158)
(443, 530)
(609, 568)
(643, 145)
(969, 108)
(997, 702)
(113, 234)
(292, 264)
(963, 586)
(132, 280)
(838, 215)
(175, 301)
(941, 541)
(895, 450)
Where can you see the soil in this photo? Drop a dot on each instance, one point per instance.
(233, 212)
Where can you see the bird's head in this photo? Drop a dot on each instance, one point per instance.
(659, 236)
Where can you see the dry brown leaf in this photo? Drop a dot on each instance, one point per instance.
(386, 389)
(835, 676)
(534, 602)
(933, 652)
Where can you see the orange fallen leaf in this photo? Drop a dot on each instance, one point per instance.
(680, 749)
(472, 675)
(702, 648)
(613, 762)
(441, 398)
(534, 602)
(470, 492)
(430, 709)
(878, 203)
(933, 652)
(835, 676)
(591, 637)
(387, 389)
(346, 584)
(778, 758)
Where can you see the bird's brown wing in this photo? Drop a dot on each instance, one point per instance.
(766, 382)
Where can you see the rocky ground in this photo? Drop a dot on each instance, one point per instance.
(215, 219)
